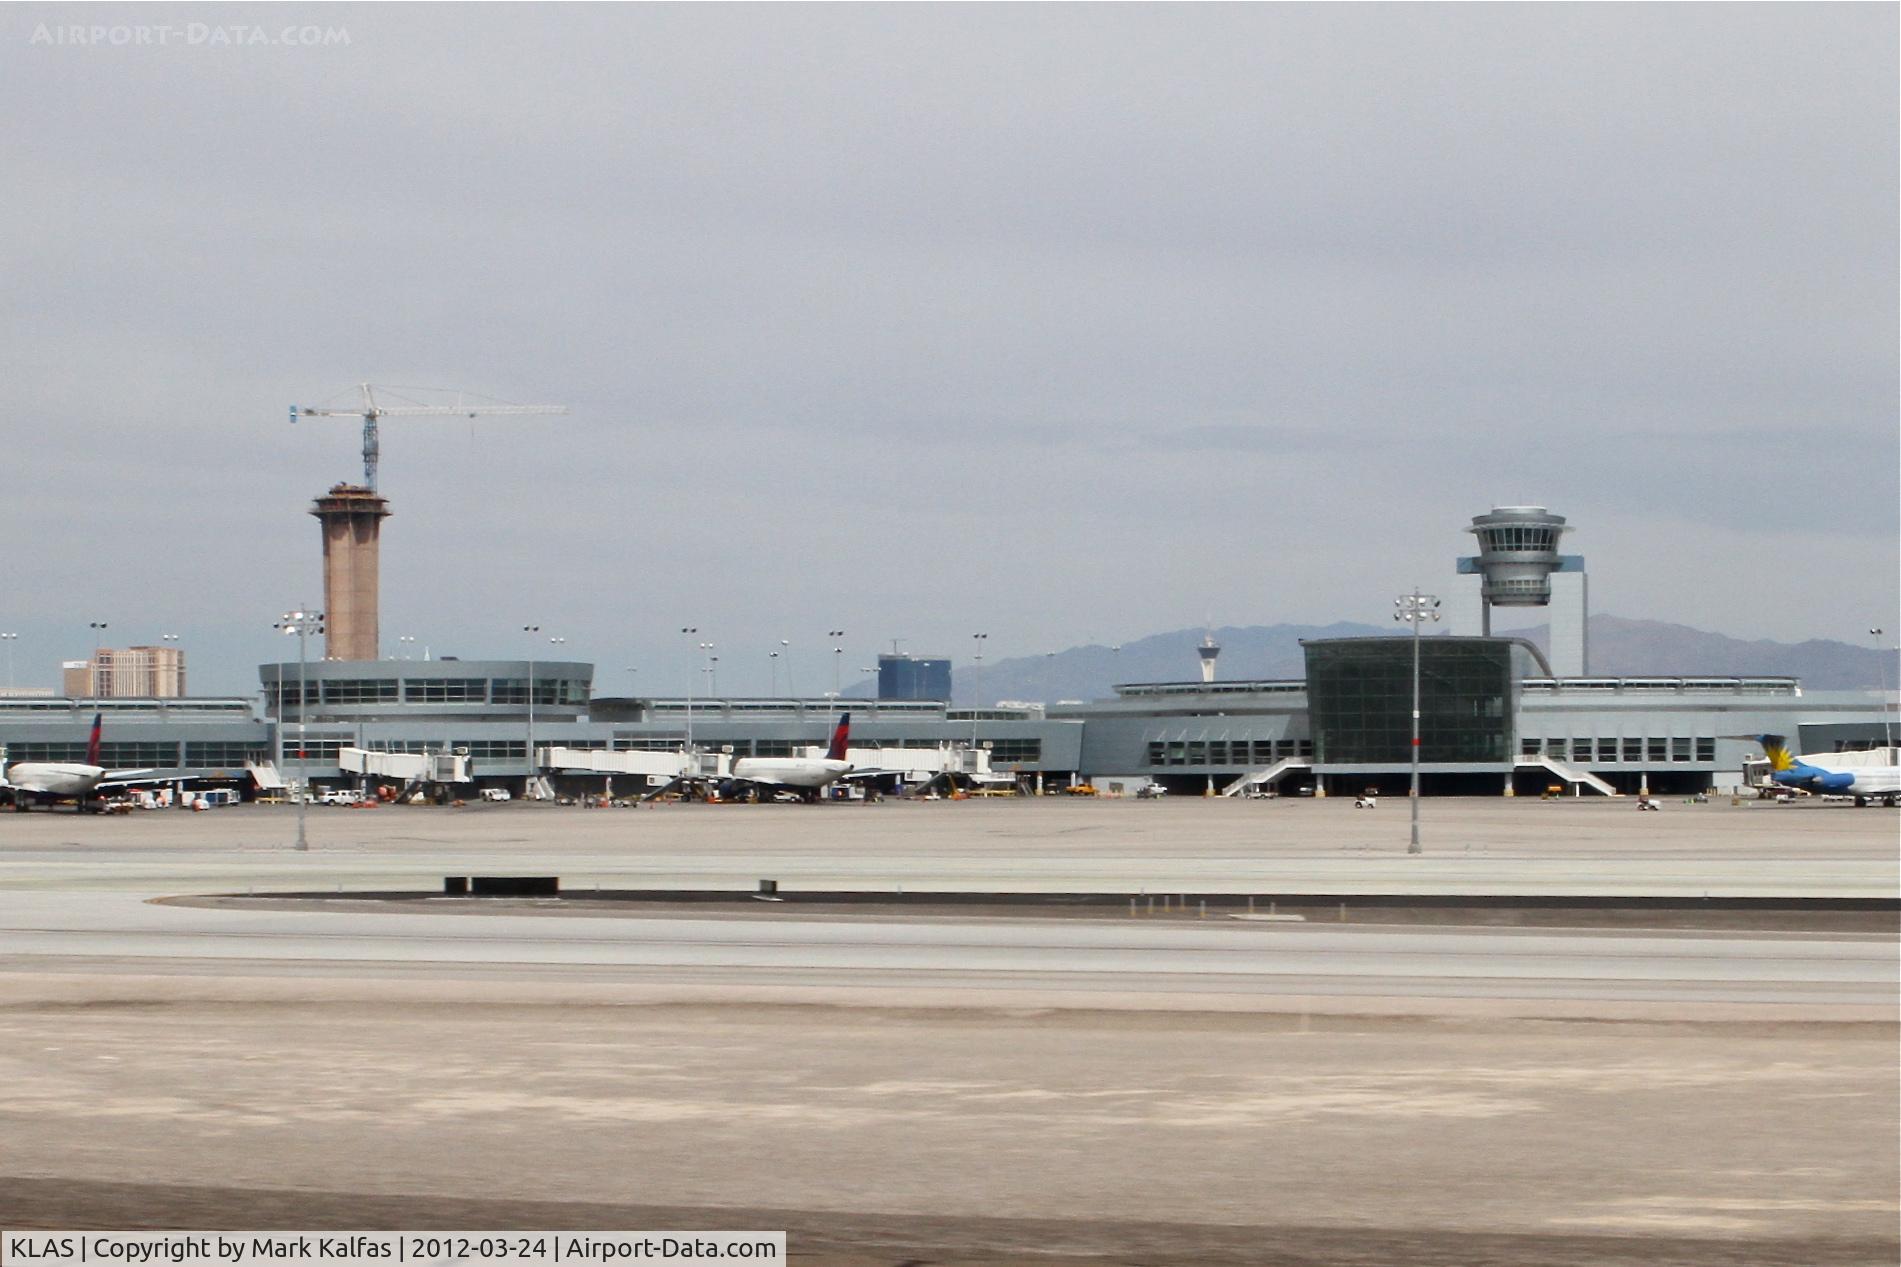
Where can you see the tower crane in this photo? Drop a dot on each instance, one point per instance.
(370, 409)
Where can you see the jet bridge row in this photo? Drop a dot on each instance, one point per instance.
(915, 765)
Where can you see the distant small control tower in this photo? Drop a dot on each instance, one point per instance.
(1209, 651)
(1518, 565)
(352, 518)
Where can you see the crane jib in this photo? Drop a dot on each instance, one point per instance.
(370, 411)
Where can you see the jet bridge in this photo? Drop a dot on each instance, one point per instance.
(917, 765)
(408, 767)
(661, 766)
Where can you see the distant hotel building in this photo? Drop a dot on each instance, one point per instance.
(133, 673)
(905, 677)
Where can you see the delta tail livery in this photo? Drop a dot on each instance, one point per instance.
(30, 781)
(1866, 776)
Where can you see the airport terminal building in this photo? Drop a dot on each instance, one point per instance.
(1497, 717)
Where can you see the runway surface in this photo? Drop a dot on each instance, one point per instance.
(1516, 847)
(959, 1089)
(1107, 956)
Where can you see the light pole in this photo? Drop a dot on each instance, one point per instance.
(302, 624)
(976, 676)
(1881, 667)
(631, 679)
(689, 631)
(178, 677)
(528, 782)
(1415, 609)
(9, 639)
(534, 765)
(838, 655)
(772, 658)
(405, 643)
(98, 640)
(785, 648)
(712, 677)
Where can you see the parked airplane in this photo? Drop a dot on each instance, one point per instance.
(754, 777)
(1866, 776)
(30, 781)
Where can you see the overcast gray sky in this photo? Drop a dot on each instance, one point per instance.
(1066, 324)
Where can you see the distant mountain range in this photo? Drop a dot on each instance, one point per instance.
(1619, 647)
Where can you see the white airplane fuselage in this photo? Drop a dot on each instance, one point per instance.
(54, 778)
(805, 773)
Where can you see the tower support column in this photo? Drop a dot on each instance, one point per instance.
(351, 517)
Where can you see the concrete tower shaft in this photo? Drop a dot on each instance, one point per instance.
(1518, 552)
(352, 519)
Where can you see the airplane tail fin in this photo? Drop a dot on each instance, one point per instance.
(840, 735)
(1776, 748)
(92, 741)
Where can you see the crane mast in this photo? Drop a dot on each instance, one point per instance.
(370, 410)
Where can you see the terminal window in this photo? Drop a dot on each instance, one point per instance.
(1657, 751)
(447, 690)
(1679, 749)
(287, 694)
(494, 749)
(126, 755)
(1706, 749)
(221, 755)
(1016, 751)
(379, 690)
(1634, 750)
(1606, 749)
(316, 751)
(75, 752)
(1360, 694)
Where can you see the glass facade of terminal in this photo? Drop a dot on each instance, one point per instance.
(1360, 692)
(908, 677)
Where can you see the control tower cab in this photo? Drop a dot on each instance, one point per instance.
(1518, 565)
(1518, 552)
